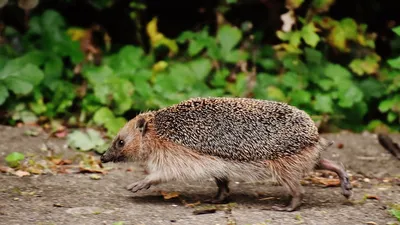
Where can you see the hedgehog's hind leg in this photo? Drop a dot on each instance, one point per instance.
(223, 191)
(296, 191)
(344, 178)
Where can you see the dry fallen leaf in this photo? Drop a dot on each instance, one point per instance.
(21, 173)
(169, 195)
(91, 170)
(367, 196)
(95, 177)
(327, 182)
(35, 170)
(5, 169)
(61, 161)
(191, 205)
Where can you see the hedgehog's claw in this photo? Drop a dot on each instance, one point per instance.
(137, 186)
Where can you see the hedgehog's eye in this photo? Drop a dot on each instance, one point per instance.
(121, 143)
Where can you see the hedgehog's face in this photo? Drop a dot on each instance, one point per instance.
(126, 144)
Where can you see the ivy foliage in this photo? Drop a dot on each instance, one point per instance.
(51, 77)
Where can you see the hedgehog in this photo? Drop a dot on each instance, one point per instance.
(224, 138)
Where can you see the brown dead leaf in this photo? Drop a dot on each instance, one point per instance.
(5, 169)
(372, 197)
(21, 173)
(327, 182)
(169, 195)
(91, 170)
(62, 161)
(35, 170)
(191, 205)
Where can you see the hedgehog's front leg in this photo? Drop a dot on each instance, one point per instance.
(142, 184)
(223, 191)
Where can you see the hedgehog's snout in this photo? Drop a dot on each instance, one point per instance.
(112, 155)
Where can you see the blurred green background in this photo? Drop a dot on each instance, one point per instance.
(99, 63)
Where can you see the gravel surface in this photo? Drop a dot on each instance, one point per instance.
(77, 199)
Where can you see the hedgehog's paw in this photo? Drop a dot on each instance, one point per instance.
(284, 208)
(137, 186)
(346, 187)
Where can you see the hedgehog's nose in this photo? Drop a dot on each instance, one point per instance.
(105, 158)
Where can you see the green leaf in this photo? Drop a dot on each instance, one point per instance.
(85, 141)
(122, 91)
(395, 213)
(368, 65)
(28, 117)
(386, 104)
(322, 5)
(349, 96)
(3, 93)
(219, 79)
(293, 80)
(239, 87)
(349, 27)
(343, 31)
(313, 56)
(201, 68)
(13, 159)
(114, 125)
(394, 63)
(295, 64)
(299, 97)
(228, 37)
(275, 93)
(295, 38)
(308, 32)
(397, 30)
(323, 103)
(102, 116)
(294, 4)
(268, 63)
(236, 56)
(391, 116)
(21, 80)
(195, 47)
(95, 137)
(51, 19)
(337, 73)
(372, 88)
(53, 67)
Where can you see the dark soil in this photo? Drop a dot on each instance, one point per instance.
(77, 199)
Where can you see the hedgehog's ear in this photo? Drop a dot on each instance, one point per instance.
(141, 124)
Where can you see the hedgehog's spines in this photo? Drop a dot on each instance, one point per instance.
(241, 129)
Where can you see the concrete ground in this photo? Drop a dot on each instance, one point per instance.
(81, 198)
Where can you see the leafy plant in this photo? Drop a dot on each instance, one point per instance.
(91, 140)
(327, 67)
(13, 159)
